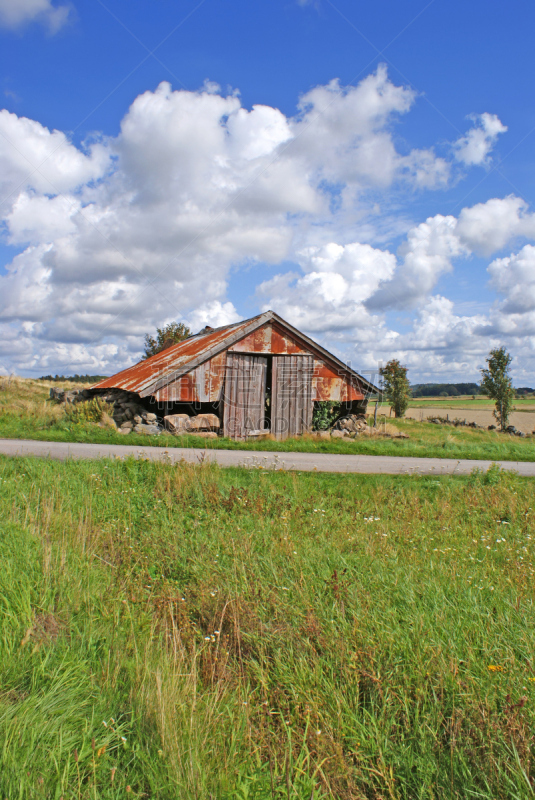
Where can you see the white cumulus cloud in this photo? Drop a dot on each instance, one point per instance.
(514, 277)
(426, 254)
(488, 227)
(122, 234)
(475, 147)
(16, 13)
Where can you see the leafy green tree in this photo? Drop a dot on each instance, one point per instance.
(170, 334)
(396, 386)
(496, 383)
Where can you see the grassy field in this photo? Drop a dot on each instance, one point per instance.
(26, 413)
(188, 632)
(466, 401)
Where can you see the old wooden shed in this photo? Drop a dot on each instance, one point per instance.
(261, 374)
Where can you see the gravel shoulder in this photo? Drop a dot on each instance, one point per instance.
(309, 462)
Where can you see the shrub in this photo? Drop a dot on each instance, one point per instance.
(324, 414)
(92, 411)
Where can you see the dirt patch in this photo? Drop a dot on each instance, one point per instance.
(13, 696)
(522, 420)
(45, 630)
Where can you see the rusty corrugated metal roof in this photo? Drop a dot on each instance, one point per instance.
(142, 377)
(146, 377)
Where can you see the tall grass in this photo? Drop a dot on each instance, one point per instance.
(192, 632)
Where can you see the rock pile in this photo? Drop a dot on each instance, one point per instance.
(457, 423)
(204, 425)
(350, 424)
(353, 425)
(70, 395)
(512, 431)
(462, 423)
(128, 414)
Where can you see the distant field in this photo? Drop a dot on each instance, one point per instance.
(25, 412)
(523, 420)
(466, 401)
(189, 633)
(478, 410)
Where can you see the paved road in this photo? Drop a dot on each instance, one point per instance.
(322, 462)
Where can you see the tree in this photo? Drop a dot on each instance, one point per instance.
(170, 334)
(496, 383)
(396, 386)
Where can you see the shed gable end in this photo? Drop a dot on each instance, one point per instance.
(270, 339)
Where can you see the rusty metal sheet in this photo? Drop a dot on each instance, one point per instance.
(283, 344)
(334, 385)
(183, 390)
(271, 340)
(201, 385)
(258, 341)
(351, 392)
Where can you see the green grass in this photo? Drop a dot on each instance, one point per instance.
(466, 402)
(25, 413)
(189, 632)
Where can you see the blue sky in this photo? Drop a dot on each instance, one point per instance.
(366, 170)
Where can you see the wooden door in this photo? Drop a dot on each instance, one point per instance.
(291, 395)
(244, 394)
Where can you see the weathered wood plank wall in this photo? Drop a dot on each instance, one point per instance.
(291, 392)
(244, 394)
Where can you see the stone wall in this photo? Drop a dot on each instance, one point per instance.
(129, 414)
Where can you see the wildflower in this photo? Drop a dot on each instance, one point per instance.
(495, 668)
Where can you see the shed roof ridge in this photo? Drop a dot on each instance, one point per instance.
(223, 327)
